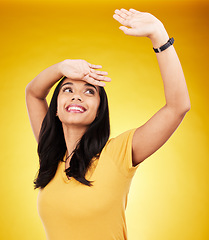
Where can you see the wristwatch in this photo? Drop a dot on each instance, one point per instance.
(165, 46)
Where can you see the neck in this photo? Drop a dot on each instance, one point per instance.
(73, 134)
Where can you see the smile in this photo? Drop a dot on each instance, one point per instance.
(75, 109)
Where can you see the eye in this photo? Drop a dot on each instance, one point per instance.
(67, 89)
(90, 91)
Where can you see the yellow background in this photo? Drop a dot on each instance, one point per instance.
(170, 191)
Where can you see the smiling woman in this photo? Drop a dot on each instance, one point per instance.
(77, 97)
(84, 177)
(79, 132)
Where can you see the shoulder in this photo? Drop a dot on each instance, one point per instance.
(123, 138)
(119, 151)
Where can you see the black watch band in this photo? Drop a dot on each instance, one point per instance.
(165, 46)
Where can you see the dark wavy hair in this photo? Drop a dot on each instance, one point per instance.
(52, 147)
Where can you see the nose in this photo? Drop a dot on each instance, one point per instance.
(76, 97)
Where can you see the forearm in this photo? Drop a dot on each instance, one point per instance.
(175, 88)
(141, 24)
(42, 83)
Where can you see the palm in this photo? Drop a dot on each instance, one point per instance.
(82, 70)
(136, 23)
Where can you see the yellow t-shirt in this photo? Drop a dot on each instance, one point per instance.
(70, 210)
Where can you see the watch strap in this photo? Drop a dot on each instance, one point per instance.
(165, 46)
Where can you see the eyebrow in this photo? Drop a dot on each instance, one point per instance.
(90, 85)
(87, 84)
(66, 84)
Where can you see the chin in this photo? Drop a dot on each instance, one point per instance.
(75, 123)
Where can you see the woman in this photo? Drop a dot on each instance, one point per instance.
(84, 178)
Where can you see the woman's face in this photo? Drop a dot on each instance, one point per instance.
(77, 103)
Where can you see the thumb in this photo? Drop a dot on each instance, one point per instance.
(129, 31)
(125, 29)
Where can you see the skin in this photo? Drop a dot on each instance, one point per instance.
(36, 91)
(81, 94)
(157, 130)
(76, 93)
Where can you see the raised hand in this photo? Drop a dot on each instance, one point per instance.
(82, 70)
(139, 24)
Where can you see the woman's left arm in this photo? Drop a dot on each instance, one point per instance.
(157, 130)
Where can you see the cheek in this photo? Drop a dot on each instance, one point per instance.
(60, 102)
(96, 106)
(58, 105)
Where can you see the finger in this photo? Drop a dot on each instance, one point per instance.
(133, 10)
(100, 78)
(95, 82)
(127, 31)
(121, 14)
(94, 66)
(99, 72)
(120, 19)
(126, 12)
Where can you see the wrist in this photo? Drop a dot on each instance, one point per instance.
(159, 36)
(61, 67)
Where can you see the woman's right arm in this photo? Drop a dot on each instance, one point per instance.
(39, 87)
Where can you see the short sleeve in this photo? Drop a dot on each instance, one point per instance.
(120, 151)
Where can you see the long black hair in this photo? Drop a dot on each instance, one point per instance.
(52, 147)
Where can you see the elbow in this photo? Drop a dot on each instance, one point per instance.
(185, 105)
(31, 92)
(188, 108)
(180, 110)
(184, 109)
(27, 89)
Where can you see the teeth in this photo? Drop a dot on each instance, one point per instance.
(76, 108)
